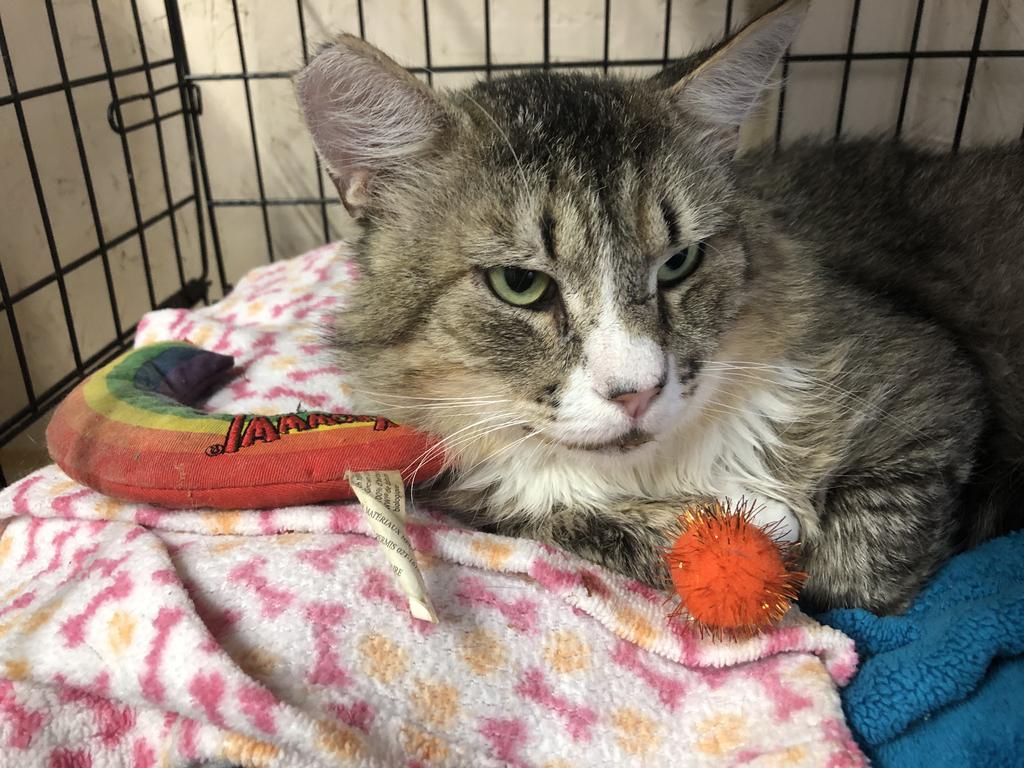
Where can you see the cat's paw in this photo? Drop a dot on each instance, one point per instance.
(624, 540)
(766, 512)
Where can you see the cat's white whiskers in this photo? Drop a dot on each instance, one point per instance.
(470, 440)
(453, 449)
(722, 408)
(508, 447)
(447, 446)
(750, 372)
(450, 449)
(441, 444)
(397, 396)
(842, 411)
(456, 407)
(738, 374)
(776, 367)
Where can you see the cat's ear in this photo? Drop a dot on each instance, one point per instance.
(726, 85)
(369, 117)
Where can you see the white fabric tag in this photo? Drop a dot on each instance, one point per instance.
(382, 495)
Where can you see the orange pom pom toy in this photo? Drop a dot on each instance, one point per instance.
(734, 577)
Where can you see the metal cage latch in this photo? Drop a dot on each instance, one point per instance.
(191, 99)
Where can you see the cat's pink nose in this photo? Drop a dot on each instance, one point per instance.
(636, 403)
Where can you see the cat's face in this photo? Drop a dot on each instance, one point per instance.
(555, 261)
(553, 283)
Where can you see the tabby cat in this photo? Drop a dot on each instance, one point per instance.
(608, 312)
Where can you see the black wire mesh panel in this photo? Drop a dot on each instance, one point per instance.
(184, 189)
(845, 17)
(102, 224)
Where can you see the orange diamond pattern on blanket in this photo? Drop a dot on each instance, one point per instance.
(131, 635)
(636, 734)
(566, 652)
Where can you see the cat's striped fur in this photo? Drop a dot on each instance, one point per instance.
(849, 350)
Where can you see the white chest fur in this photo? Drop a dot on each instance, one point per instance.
(716, 450)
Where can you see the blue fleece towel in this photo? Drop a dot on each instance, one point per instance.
(943, 685)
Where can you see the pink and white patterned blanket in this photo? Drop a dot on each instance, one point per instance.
(137, 636)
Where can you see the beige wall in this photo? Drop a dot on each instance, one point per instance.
(271, 35)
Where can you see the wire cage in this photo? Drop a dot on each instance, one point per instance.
(139, 169)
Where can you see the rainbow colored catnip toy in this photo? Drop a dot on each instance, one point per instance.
(131, 431)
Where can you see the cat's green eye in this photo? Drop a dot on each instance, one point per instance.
(520, 287)
(680, 266)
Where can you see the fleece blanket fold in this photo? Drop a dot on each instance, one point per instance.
(133, 635)
(943, 685)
